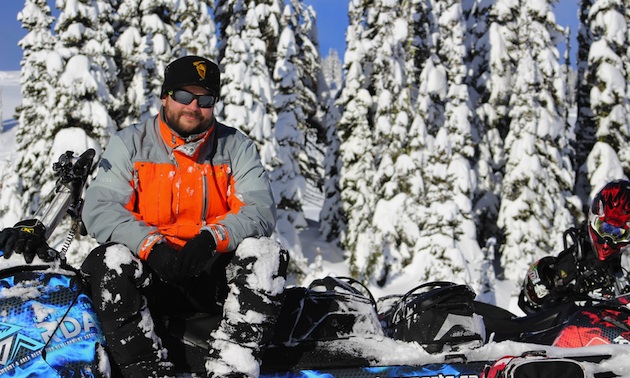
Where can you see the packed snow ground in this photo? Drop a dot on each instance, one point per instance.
(330, 260)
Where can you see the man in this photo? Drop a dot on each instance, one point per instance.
(591, 266)
(184, 210)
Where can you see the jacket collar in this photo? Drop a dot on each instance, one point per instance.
(187, 145)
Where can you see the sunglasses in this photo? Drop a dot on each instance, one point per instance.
(607, 230)
(185, 98)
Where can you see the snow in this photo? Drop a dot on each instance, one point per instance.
(10, 97)
(329, 260)
(25, 290)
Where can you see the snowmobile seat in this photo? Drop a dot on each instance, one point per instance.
(437, 315)
(541, 327)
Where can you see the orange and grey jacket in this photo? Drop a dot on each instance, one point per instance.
(154, 186)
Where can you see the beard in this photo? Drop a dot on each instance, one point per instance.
(186, 123)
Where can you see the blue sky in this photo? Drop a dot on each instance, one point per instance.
(332, 21)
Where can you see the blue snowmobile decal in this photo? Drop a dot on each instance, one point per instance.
(446, 370)
(47, 327)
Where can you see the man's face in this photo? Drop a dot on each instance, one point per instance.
(187, 119)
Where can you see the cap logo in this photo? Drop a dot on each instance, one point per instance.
(201, 68)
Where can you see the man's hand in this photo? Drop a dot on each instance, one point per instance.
(27, 238)
(173, 266)
(163, 259)
(196, 253)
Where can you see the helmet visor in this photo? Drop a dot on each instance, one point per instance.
(610, 232)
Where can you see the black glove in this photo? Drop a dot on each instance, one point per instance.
(163, 259)
(27, 238)
(173, 266)
(196, 253)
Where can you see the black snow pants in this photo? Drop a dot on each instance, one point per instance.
(245, 287)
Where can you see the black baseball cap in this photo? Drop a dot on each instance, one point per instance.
(192, 70)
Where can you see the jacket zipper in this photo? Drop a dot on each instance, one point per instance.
(204, 202)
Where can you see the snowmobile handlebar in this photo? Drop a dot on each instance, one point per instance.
(72, 170)
(72, 175)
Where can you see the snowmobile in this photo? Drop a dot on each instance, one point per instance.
(333, 327)
(47, 325)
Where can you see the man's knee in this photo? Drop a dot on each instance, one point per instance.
(265, 258)
(115, 277)
(114, 260)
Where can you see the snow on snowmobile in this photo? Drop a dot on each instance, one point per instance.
(333, 327)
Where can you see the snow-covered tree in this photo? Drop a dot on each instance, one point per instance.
(84, 79)
(248, 34)
(447, 241)
(86, 67)
(269, 92)
(332, 70)
(67, 84)
(303, 22)
(608, 81)
(391, 234)
(331, 216)
(197, 31)
(585, 122)
(288, 183)
(22, 179)
(358, 147)
(568, 73)
(463, 136)
(490, 40)
(536, 206)
(145, 43)
(66, 80)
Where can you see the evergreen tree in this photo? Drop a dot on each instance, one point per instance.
(21, 183)
(332, 223)
(392, 237)
(357, 172)
(463, 136)
(84, 97)
(288, 183)
(268, 94)
(536, 195)
(425, 85)
(357, 148)
(331, 218)
(492, 70)
(448, 179)
(248, 33)
(77, 72)
(609, 78)
(145, 44)
(568, 73)
(585, 125)
(197, 31)
(332, 70)
(303, 22)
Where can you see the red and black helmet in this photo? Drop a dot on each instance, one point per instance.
(609, 220)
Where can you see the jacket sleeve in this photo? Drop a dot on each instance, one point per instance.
(106, 213)
(252, 206)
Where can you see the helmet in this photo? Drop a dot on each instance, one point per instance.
(537, 284)
(609, 220)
